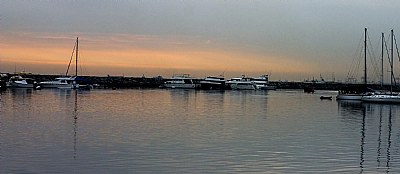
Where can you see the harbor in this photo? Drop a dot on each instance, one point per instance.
(171, 87)
(124, 82)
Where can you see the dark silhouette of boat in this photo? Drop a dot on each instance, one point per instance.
(309, 89)
(325, 97)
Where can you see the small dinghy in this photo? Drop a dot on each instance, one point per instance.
(326, 97)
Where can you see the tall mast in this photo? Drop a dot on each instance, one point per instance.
(365, 57)
(383, 40)
(391, 64)
(76, 59)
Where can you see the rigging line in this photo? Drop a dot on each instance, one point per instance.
(397, 49)
(388, 55)
(357, 67)
(354, 62)
(373, 64)
(372, 55)
(387, 50)
(398, 55)
(70, 60)
(349, 73)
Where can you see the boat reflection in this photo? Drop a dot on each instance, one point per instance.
(75, 116)
(377, 126)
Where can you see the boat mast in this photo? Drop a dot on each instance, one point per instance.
(391, 64)
(365, 57)
(76, 59)
(383, 40)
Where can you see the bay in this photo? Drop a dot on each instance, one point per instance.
(190, 131)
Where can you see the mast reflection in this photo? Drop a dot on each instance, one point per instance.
(376, 121)
(379, 137)
(389, 140)
(75, 115)
(362, 140)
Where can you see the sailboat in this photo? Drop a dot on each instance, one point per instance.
(66, 82)
(355, 93)
(385, 98)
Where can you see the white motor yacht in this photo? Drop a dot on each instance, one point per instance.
(61, 82)
(180, 81)
(21, 82)
(212, 82)
(262, 83)
(240, 83)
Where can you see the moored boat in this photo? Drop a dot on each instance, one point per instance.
(326, 97)
(21, 82)
(60, 82)
(388, 97)
(241, 83)
(213, 83)
(180, 81)
(382, 98)
(262, 83)
(68, 82)
(350, 96)
(309, 89)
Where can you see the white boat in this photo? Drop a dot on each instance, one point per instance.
(241, 83)
(262, 83)
(180, 81)
(385, 98)
(61, 82)
(21, 82)
(350, 96)
(382, 98)
(212, 82)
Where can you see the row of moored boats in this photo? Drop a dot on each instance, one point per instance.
(61, 82)
(219, 83)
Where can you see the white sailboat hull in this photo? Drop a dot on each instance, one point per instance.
(349, 96)
(383, 98)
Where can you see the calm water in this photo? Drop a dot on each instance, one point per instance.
(184, 131)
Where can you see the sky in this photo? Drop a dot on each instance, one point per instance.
(287, 39)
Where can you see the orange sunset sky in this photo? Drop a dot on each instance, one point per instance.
(288, 40)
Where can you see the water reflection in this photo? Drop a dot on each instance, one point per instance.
(75, 114)
(376, 120)
(389, 140)
(379, 138)
(362, 141)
